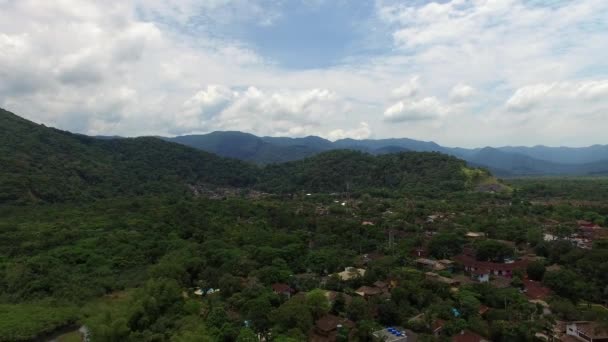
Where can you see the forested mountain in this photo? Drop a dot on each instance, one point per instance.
(563, 155)
(247, 147)
(38, 163)
(41, 164)
(343, 170)
(504, 161)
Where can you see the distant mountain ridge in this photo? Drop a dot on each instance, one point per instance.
(39, 164)
(504, 161)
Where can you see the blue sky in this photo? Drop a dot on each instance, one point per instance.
(458, 72)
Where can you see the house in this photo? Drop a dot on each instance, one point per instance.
(483, 310)
(448, 264)
(282, 289)
(326, 328)
(369, 257)
(468, 336)
(428, 264)
(481, 275)
(470, 264)
(368, 291)
(587, 331)
(436, 277)
(586, 224)
(437, 327)
(394, 335)
(333, 295)
(475, 235)
(420, 252)
(350, 273)
(367, 223)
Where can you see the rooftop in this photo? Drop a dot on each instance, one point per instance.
(395, 335)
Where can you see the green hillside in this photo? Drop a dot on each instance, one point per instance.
(41, 164)
(344, 170)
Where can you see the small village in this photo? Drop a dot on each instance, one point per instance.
(513, 268)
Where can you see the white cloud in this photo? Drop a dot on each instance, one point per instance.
(361, 132)
(281, 112)
(428, 108)
(408, 89)
(461, 93)
(586, 95)
(140, 67)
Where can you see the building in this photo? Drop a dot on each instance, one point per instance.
(475, 235)
(282, 289)
(436, 277)
(420, 252)
(481, 275)
(326, 328)
(506, 269)
(587, 331)
(368, 291)
(333, 295)
(350, 273)
(437, 327)
(395, 335)
(429, 265)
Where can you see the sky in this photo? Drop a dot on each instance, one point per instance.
(466, 73)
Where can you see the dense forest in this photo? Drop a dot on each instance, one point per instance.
(40, 164)
(146, 240)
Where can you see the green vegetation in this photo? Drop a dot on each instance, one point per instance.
(111, 234)
(26, 321)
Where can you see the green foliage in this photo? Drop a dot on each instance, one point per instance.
(27, 321)
(40, 164)
(492, 250)
(445, 245)
(536, 270)
(429, 174)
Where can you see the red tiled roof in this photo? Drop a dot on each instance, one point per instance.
(438, 325)
(281, 288)
(328, 323)
(469, 261)
(535, 290)
(483, 309)
(480, 271)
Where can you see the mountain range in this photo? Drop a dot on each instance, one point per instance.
(39, 164)
(503, 161)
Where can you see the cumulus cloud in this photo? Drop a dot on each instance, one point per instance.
(586, 95)
(281, 112)
(361, 132)
(428, 108)
(408, 89)
(137, 67)
(461, 93)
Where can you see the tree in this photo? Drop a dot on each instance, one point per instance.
(357, 309)
(492, 250)
(247, 335)
(536, 270)
(317, 303)
(339, 305)
(229, 285)
(565, 283)
(292, 314)
(445, 245)
(257, 311)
